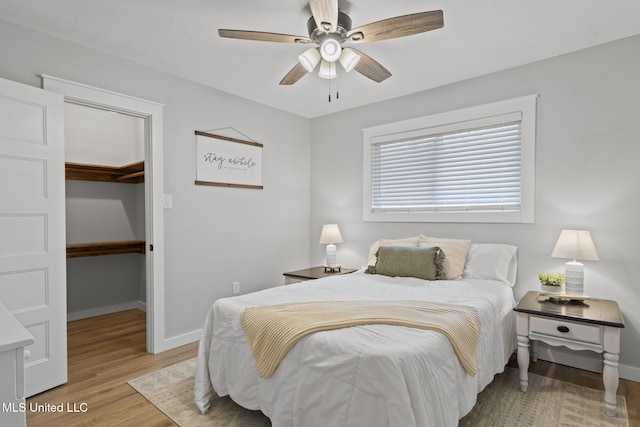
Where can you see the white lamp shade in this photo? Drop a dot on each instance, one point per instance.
(330, 234)
(330, 49)
(349, 59)
(327, 70)
(309, 58)
(575, 245)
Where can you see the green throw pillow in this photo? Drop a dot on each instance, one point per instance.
(405, 261)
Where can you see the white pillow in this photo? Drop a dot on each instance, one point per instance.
(492, 261)
(373, 249)
(455, 254)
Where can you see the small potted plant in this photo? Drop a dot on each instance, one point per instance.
(551, 282)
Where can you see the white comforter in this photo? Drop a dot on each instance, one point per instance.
(375, 375)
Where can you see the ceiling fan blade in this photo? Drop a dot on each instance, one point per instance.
(400, 26)
(371, 68)
(325, 13)
(264, 37)
(295, 74)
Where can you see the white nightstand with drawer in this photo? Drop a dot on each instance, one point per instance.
(588, 324)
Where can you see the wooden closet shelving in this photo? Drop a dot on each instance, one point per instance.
(76, 250)
(128, 174)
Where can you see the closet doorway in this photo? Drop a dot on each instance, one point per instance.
(115, 216)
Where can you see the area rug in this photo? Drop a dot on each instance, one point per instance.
(547, 403)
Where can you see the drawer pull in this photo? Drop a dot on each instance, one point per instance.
(563, 329)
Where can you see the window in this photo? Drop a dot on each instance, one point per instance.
(471, 165)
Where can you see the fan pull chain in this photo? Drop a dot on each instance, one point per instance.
(337, 89)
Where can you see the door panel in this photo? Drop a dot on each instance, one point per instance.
(24, 289)
(23, 120)
(32, 227)
(30, 173)
(27, 234)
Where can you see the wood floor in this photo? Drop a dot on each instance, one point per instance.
(106, 351)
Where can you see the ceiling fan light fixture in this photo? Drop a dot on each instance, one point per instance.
(330, 49)
(349, 59)
(329, 28)
(327, 70)
(309, 59)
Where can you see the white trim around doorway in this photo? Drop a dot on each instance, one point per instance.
(152, 112)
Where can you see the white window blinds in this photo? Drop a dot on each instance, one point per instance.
(471, 168)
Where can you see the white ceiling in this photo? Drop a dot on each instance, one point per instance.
(180, 37)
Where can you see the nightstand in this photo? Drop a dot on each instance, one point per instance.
(312, 273)
(589, 324)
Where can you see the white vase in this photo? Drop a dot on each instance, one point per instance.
(551, 289)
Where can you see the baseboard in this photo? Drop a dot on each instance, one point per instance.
(183, 339)
(629, 373)
(99, 311)
(587, 360)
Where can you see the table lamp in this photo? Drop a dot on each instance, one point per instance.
(575, 245)
(331, 235)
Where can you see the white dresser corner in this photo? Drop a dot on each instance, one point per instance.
(13, 339)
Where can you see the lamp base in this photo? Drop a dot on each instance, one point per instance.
(574, 278)
(332, 268)
(331, 255)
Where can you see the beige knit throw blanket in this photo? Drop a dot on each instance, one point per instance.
(273, 330)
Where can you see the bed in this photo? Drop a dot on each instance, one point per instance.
(374, 374)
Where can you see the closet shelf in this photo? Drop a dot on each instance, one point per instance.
(76, 250)
(130, 174)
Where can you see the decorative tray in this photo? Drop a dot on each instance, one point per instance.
(564, 298)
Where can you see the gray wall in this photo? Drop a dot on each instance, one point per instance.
(95, 284)
(213, 235)
(586, 172)
(102, 212)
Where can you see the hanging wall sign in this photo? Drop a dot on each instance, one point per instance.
(228, 162)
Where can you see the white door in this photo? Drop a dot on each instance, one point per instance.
(32, 227)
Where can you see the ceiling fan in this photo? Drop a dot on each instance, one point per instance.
(329, 29)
